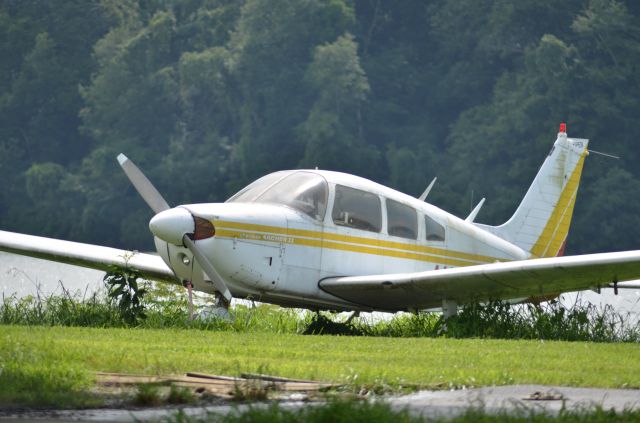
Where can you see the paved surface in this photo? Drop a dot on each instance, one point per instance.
(491, 400)
(511, 399)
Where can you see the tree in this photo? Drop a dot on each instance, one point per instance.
(46, 53)
(158, 101)
(208, 95)
(577, 81)
(333, 133)
(270, 50)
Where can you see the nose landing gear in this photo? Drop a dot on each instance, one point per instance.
(218, 311)
(189, 286)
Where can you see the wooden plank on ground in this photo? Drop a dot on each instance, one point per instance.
(224, 386)
(216, 377)
(275, 378)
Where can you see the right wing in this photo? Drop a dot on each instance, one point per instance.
(86, 255)
(495, 281)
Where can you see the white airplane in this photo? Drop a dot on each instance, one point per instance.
(327, 240)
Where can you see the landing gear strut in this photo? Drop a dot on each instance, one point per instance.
(189, 286)
(354, 314)
(449, 308)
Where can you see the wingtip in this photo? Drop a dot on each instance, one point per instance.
(122, 158)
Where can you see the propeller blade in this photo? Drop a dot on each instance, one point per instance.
(158, 204)
(144, 187)
(208, 268)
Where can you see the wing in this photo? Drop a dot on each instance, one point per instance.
(517, 279)
(86, 255)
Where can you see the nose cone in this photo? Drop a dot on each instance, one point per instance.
(171, 225)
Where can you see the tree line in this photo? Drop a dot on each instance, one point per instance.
(206, 96)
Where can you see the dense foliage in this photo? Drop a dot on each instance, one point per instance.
(208, 95)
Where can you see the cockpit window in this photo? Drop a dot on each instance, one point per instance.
(402, 220)
(249, 193)
(302, 191)
(357, 209)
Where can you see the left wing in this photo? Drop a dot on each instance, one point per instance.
(86, 255)
(517, 279)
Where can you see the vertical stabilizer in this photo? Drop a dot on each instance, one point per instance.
(541, 223)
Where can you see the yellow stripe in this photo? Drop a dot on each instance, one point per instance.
(354, 240)
(563, 230)
(340, 246)
(397, 254)
(557, 227)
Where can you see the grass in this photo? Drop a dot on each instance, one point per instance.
(50, 346)
(148, 395)
(351, 411)
(54, 365)
(166, 307)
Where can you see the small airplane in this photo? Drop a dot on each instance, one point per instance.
(326, 240)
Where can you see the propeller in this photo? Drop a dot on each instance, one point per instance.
(145, 188)
(158, 204)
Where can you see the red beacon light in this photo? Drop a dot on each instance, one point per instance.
(563, 128)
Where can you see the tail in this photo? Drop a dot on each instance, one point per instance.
(541, 223)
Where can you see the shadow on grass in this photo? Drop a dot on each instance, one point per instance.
(46, 386)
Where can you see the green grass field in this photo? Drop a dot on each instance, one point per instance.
(365, 412)
(53, 365)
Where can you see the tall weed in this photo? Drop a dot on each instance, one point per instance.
(168, 308)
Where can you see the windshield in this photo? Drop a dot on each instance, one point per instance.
(303, 191)
(249, 193)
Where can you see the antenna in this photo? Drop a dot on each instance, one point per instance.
(474, 212)
(604, 154)
(428, 190)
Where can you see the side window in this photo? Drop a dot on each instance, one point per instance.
(357, 209)
(402, 220)
(435, 231)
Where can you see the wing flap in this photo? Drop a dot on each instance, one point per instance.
(518, 279)
(86, 255)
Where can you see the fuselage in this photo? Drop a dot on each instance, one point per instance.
(279, 237)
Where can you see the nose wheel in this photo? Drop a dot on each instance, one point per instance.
(219, 310)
